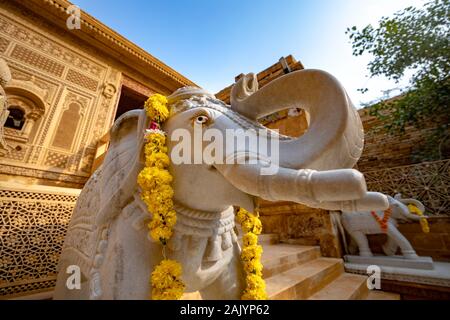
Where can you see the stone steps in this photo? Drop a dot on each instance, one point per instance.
(269, 238)
(298, 272)
(282, 257)
(346, 287)
(381, 295)
(304, 280)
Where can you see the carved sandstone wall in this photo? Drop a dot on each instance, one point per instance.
(68, 97)
(383, 150)
(33, 225)
(68, 89)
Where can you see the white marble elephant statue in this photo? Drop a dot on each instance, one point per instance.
(359, 224)
(107, 236)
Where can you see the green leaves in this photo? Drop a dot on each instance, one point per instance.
(417, 40)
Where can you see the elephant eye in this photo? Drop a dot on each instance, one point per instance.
(201, 120)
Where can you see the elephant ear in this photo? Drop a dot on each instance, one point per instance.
(103, 197)
(112, 186)
(123, 162)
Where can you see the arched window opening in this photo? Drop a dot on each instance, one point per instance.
(16, 118)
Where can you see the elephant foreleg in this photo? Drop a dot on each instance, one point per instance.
(230, 284)
(363, 243)
(390, 247)
(406, 248)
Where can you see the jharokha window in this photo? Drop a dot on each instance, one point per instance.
(23, 114)
(16, 118)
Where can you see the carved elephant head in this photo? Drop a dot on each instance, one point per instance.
(400, 209)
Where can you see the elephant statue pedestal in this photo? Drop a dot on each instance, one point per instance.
(404, 272)
(424, 263)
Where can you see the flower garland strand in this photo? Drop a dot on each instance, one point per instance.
(423, 222)
(157, 194)
(251, 256)
(383, 222)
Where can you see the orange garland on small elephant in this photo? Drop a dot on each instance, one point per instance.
(383, 222)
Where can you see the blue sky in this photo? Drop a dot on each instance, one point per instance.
(212, 41)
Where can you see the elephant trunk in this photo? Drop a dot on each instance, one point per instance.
(407, 214)
(343, 190)
(335, 137)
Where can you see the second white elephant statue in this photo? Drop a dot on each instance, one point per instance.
(361, 224)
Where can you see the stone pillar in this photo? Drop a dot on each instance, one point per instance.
(29, 123)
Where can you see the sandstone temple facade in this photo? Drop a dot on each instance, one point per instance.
(67, 88)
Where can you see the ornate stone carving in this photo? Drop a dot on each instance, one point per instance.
(50, 68)
(32, 89)
(427, 182)
(37, 60)
(109, 90)
(10, 169)
(33, 236)
(30, 99)
(39, 63)
(105, 110)
(55, 159)
(82, 80)
(48, 46)
(4, 43)
(73, 97)
(5, 73)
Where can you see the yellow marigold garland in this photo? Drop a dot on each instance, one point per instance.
(157, 194)
(251, 256)
(423, 222)
(166, 281)
(156, 108)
